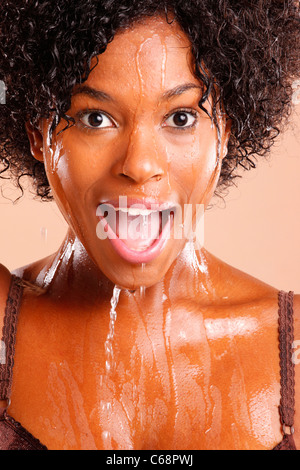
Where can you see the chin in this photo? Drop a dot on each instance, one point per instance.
(134, 277)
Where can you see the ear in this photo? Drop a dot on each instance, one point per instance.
(36, 142)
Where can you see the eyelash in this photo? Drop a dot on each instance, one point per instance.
(86, 112)
(190, 111)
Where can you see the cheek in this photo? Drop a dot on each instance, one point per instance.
(194, 168)
(68, 179)
(72, 165)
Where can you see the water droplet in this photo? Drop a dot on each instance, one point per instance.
(44, 234)
(142, 288)
(142, 291)
(106, 437)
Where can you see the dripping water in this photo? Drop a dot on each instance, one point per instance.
(142, 288)
(109, 353)
(106, 438)
(63, 256)
(44, 234)
(106, 406)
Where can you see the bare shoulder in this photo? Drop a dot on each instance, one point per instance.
(238, 287)
(30, 272)
(5, 279)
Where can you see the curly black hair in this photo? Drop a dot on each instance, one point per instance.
(248, 49)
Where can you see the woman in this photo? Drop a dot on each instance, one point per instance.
(128, 114)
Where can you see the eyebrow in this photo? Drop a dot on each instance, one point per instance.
(96, 94)
(180, 89)
(102, 96)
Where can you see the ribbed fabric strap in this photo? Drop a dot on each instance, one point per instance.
(9, 336)
(287, 367)
(286, 338)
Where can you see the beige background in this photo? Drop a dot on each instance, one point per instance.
(257, 229)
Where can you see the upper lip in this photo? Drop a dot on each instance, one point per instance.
(142, 203)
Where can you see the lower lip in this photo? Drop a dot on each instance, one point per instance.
(138, 257)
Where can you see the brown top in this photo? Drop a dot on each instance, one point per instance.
(14, 437)
(12, 434)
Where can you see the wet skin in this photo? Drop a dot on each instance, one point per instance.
(196, 353)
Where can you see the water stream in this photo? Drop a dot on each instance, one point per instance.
(110, 365)
(110, 362)
(142, 288)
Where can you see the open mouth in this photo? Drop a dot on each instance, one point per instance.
(137, 233)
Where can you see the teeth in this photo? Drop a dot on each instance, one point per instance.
(134, 211)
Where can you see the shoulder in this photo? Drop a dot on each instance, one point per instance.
(5, 279)
(237, 287)
(31, 272)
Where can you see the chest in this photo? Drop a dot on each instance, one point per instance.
(146, 385)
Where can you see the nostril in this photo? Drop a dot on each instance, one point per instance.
(140, 177)
(140, 168)
(124, 175)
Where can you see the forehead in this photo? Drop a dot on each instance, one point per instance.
(149, 54)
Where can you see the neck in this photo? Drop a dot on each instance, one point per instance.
(70, 271)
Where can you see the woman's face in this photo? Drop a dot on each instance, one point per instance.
(139, 134)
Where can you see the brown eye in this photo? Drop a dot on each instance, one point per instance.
(96, 120)
(181, 119)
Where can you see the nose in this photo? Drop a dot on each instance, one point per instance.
(142, 161)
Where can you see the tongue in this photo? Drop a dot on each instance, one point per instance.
(140, 231)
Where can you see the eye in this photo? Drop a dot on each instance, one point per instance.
(96, 120)
(181, 119)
